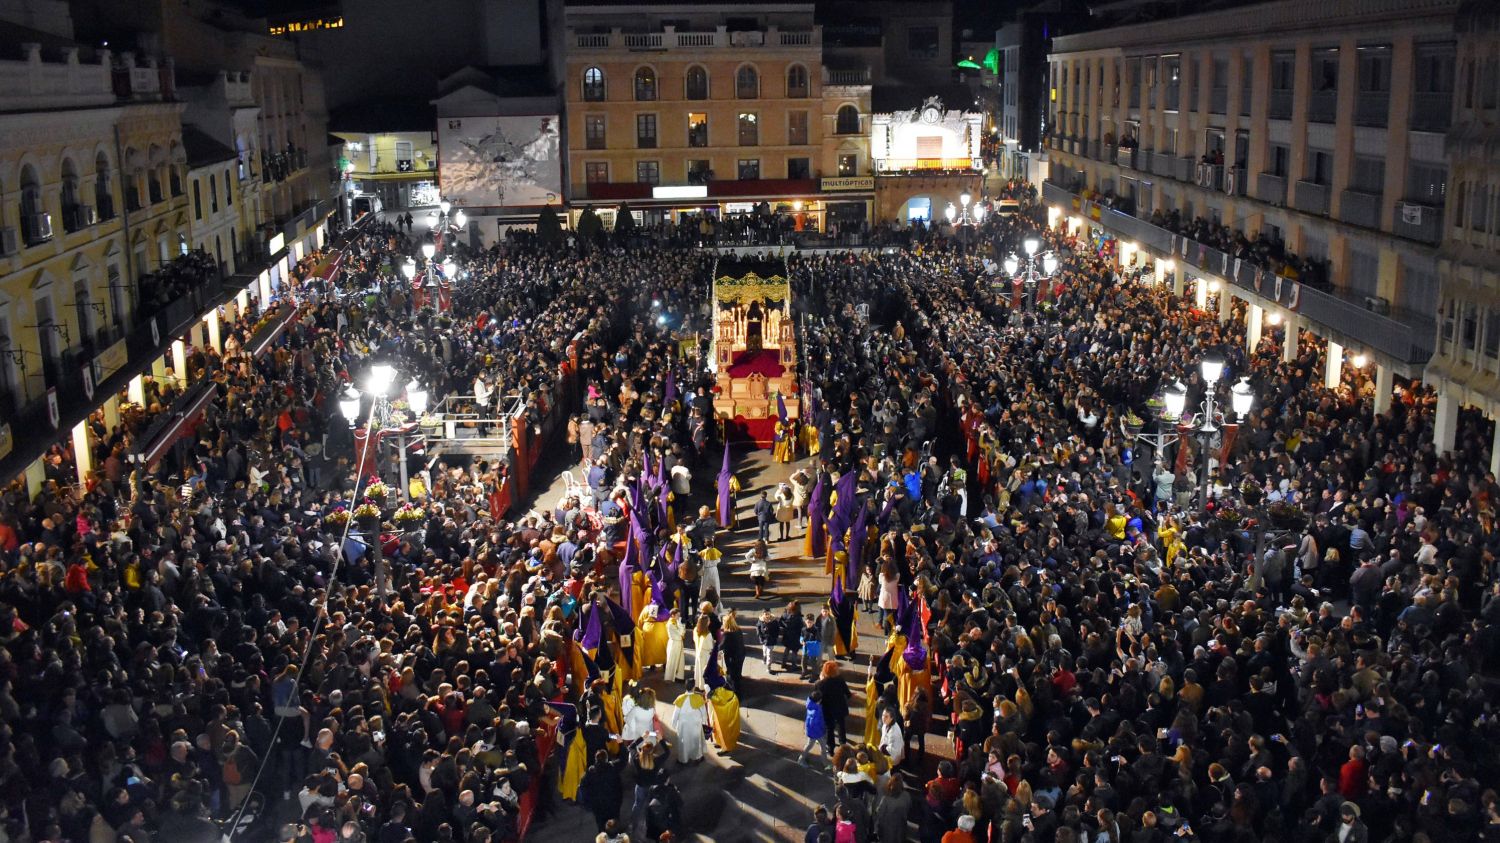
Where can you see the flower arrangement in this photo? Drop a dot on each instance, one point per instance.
(1134, 421)
(376, 490)
(409, 516)
(429, 420)
(337, 518)
(1286, 515)
(1229, 515)
(368, 509)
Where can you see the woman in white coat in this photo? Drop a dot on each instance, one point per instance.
(676, 632)
(892, 740)
(688, 717)
(639, 715)
(703, 648)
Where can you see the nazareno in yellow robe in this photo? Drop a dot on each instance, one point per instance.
(724, 717)
(651, 638)
(575, 766)
(872, 723)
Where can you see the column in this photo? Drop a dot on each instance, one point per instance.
(1333, 365)
(214, 338)
(81, 453)
(1384, 386)
(179, 361)
(136, 390)
(36, 477)
(1226, 302)
(112, 412)
(1159, 269)
(1179, 279)
(1289, 347)
(1200, 294)
(1445, 425)
(1253, 327)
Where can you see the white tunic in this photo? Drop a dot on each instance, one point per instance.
(687, 721)
(638, 721)
(673, 672)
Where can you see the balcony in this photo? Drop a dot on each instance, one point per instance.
(1127, 157)
(1210, 176)
(671, 39)
(36, 229)
(1271, 188)
(1182, 168)
(916, 165)
(1357, 207)
(1163, 165)
(846, 78)
(1236, 181)
(1431, 112)
(1402, 336)
(1322, 106)
(1417, 221)
(77, 217)
(1279, 105)
(1096, 149)
(1372, 108)
(1311, 197)
(35, 84)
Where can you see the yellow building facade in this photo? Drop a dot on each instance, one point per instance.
(708, 108)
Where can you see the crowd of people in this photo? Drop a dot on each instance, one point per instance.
(1116, 663)
(1113, 662)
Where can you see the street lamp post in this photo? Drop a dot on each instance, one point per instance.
(1204, 426)
(1032, 269)
(377, 388)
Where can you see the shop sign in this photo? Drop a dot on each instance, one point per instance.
(838, 183)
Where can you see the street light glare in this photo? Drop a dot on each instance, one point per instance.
(349, 404)
(1213, 369)
(460, 219)
(382, 375)
(1012, 266)
(416, 396)
(1031, 244)
(428, 250)
(1049, 264)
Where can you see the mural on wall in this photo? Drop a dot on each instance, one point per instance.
(506, 162)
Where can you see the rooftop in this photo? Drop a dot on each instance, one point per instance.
(201, 149)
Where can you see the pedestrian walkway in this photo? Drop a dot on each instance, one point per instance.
(757, 793)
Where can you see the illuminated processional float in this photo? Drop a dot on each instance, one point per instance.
(754, 350)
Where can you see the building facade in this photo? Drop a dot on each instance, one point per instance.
(399, 167)
(686, 109)
(925, 158)
(1316, 131)
(1465, 368)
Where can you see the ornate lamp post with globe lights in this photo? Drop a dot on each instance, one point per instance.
(1032, 269)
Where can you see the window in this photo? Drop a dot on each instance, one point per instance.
(403, 153)
(1470, 326)
(1283, 73)
(1368, 175)
(796, 82)
(645, 84)
(1325, 69)
(228, 194)
(922, 42)
(747, 83)
(1173, 73)
(697, 128)
(197, 200)
(698, 171)
(1450, 313)
(796, 128)
(593, 85)
(1479, 208)
(1280, 159)
(849, 165)
(1375, 69)
(847, 122)
(749, 169)
(1247, 83)
(1426, 183)
(798, 168)
(648, 172)
(593, 131)
(749, 126)
(1319, 166)
(645, 131)
(213, 195)
(697, 83)
(596, 172)
(1490, 84)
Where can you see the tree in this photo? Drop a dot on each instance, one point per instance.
(624, 222)
(549, 227)
(590, 228)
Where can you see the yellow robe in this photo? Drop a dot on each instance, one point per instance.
(651, 638)
(640, 589)
(872, 723)
(907, 680)
(724, 717)
(573, 770)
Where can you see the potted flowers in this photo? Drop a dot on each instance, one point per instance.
(337, 518)
(377, 491)
(409, 516)
(1286, 516)
(1133, 424)
(367, 516)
